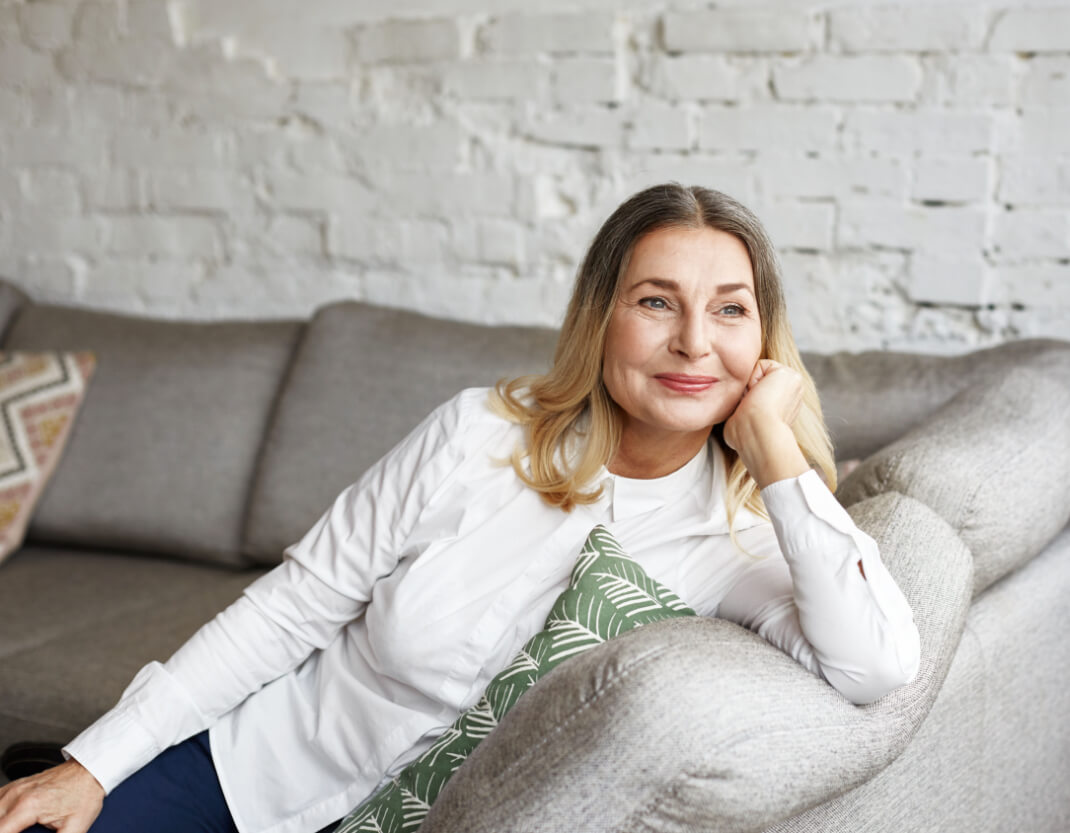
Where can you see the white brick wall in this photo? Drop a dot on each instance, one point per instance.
(210, 159)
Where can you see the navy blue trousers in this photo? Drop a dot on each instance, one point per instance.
(178, 792)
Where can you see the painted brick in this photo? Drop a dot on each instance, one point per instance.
(172, 148)
(732, 177)
(45, 26)
(175, 236)
(711, 78)
(44, 146)
(354, 236)
(41, 233)
(175, 190)
(321, 193)
(113, 189)
(496, 80)
(51, 189)
(936, 279)
(903, 132)
(799, 225)
(952, 179)
(587, 81)
(961, 80)
(741, 30)
(578, 127)
(309, 53)
(847, 78)
(553, 33)
(1031, 30)
(782, 175)
(282, 235)
(22, 66)
(906, 28)
(46, 278)
(442, 194)
(409, 146)
(661, 126)
(1047, 81)
(1032, 233)
(1033, 285)
(952, 232)
(407, 41)
(490, 241)
(1043, 130)
(765, 128)
(1032, 180)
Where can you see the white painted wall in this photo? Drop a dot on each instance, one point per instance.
(217, 158)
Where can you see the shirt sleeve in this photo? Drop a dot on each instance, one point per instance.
(324, 582)
(856, 630)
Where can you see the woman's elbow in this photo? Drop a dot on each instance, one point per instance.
(883, 674)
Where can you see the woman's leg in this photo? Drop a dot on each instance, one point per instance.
(178, 792)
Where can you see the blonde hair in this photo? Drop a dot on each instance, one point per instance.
(572, 424)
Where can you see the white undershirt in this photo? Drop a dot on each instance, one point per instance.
(454, 564)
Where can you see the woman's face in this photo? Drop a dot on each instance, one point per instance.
(684, 336)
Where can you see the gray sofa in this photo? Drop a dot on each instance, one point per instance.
(203, 449)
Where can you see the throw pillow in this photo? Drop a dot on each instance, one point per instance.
(40, 394)
(608, 594)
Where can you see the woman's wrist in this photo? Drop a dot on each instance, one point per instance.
(770, 452)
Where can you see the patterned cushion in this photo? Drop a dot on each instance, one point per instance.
(608, 594)
(40, 394)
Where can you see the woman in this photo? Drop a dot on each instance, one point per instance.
(677, 413)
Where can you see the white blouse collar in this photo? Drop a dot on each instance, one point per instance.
(630, 496)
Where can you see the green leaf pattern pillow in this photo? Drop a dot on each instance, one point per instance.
(608, 594)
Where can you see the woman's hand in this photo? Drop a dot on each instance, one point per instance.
(759, 430)
(66, 798)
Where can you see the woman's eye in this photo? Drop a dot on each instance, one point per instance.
(733, 310)
(654, 303)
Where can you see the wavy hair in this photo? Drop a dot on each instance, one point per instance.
(573, 426)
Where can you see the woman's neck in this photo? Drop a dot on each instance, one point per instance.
(644, 457)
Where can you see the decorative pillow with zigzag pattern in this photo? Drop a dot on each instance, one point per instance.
(608, 594)
(40, 394)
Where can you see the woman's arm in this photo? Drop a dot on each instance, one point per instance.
(830, 603)
(324, 583)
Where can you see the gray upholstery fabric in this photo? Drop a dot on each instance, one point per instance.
(753, 736)
(992, 462)
(372, 375)
(75, 626)
(12, 299)
(163, 452)
(871, 399)
(967, 769)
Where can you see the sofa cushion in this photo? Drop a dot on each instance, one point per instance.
(362, 378)
(163, 453)
(719, 729)
(992, 462)
(40, 394)
(75, 626)
(608, 594)
(871, 399)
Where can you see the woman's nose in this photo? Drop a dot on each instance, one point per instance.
(692, 336)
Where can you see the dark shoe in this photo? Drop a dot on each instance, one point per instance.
(29, 758)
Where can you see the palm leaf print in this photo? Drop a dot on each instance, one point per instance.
(608, 594)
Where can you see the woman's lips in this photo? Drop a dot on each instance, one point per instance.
(686, 384)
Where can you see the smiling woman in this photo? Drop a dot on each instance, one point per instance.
(680, 287)
(677, 417)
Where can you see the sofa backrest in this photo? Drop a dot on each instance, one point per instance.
(362, 378)
(164, 449)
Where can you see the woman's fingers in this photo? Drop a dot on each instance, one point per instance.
(66, 798)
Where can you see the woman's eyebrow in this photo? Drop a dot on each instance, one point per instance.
(665, 283)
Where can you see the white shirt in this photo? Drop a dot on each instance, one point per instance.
(424, 578)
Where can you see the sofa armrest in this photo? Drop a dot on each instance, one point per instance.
(992, 462)
(700, 724)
